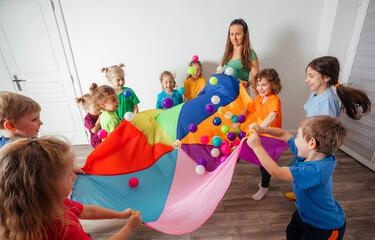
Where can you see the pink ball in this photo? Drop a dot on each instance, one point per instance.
(195, 58)
(226, 149)
(133, 182)
(223, 158)
(236, 143)
(205, 139)
(102, 133)
(224, 141)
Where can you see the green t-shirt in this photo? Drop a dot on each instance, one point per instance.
(238, 71)
(126, 104)
(109, 121)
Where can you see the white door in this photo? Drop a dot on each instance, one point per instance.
(32, 51)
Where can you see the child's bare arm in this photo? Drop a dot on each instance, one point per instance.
(276, 132)
(274, 170)
(133, 222)
(96, 212)
(135, 109)
(96, 127)
(269, 119)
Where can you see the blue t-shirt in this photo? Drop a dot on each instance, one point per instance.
(176, 97)
(326, 103)
(313, 189)
(3, 141)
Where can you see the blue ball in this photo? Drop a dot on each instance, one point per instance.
(127, 93)
(181, 90)
(216, 141)
(216, 121)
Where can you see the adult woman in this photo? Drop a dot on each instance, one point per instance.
(238, 53)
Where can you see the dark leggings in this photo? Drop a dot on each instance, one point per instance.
(266, 177)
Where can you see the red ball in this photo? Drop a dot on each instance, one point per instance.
(226, 149)
(133, 182)
(236, 143)
(205, 139)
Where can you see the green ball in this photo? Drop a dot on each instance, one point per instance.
(237, 131)
(191, 70)
(213, 80)
(225, 129)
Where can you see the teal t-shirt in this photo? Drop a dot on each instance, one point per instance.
(176, 97)
(126, 104)
(238, 71)
(109, 121)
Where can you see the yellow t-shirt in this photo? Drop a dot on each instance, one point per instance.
(192, 88)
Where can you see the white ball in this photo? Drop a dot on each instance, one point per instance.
(215, 99)
(228, 115)
(129, 116)
(220, 69)
(199, 169)
(229, 71)
(215, 152)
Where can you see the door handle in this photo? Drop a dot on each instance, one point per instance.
(17, 81)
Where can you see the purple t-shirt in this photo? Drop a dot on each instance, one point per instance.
(90, 121)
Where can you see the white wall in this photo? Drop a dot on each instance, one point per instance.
(153, 36)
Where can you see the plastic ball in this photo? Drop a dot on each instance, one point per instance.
(236, 142)
(129, 116)
(226, 149)
(127, 93)
(209, 133)
(213, 80)
(193, 128)
(167, 102)
(191, 70)
(224, 129)
(215, 99)
(221, 110)
(133, 182)
(242, 135)
(233, 105)
(102, 133)
(224, 141)
(220, 69)
(241, 119)
(202, 162)
(216, 121)
(199, 169)
(216, 141)
(195, 58)
(229, 71)
(234, 148)
(237, 131)
(205, 139)
(210, 108)
(228, 115)
(234, 118)
(222, 159)
(231, 136)
(181, 90)
(215, 152)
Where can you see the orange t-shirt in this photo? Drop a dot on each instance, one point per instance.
(192, 88)
(262, 110)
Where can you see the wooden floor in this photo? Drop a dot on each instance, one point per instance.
(238, 216)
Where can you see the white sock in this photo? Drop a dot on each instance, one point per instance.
(260, 194)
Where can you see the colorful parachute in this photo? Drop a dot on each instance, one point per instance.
(157, 148)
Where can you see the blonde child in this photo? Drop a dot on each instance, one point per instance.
(321, 74)
(116, 76)
(19, 117)
(318, 214)
(267, 106)
(92, 122)
(168, 84)
(194, 84)
(36, 178)
(106, 98)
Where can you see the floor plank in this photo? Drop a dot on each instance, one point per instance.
(238, 216)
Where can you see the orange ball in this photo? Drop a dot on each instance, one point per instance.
(209, 133)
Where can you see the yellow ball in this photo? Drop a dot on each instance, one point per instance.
(233, 105)
(221, 110)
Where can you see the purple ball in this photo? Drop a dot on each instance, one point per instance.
(210, 108)
(167, 102)
(193, 128)
(231, 136)
(241, 119)
(202, 162)
(241, 135)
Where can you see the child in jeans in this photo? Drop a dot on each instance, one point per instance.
(318, 214)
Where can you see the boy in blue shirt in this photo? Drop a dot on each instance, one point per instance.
(318, 214)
